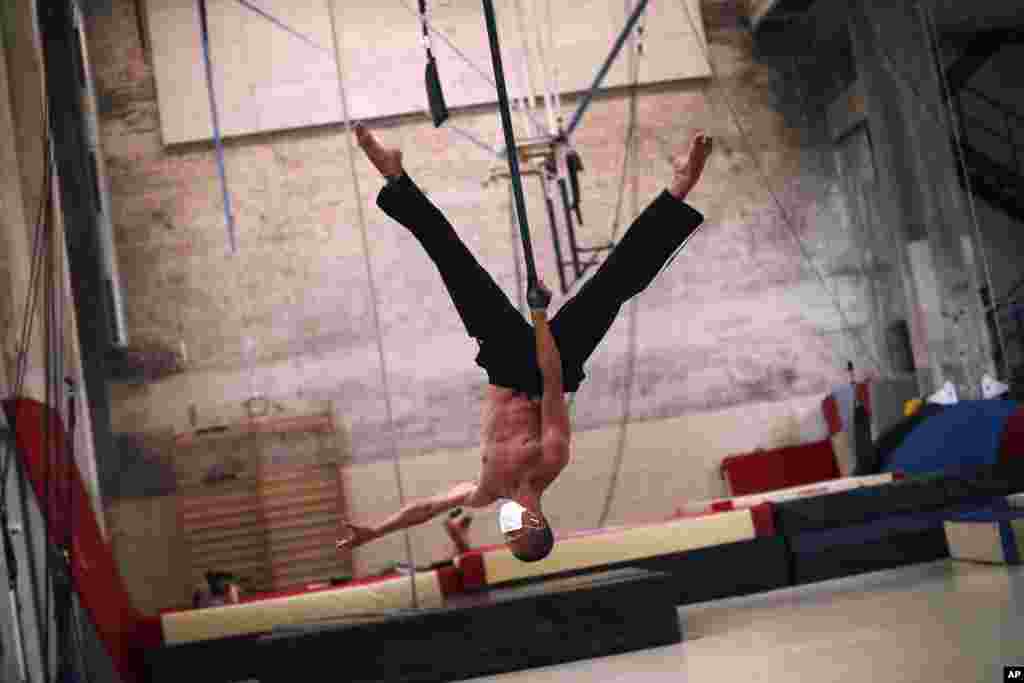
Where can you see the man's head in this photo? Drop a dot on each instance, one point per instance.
(526, 533)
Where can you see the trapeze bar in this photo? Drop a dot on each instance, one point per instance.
(616, 48)
(533, 148)
(587, 250)
(510, 141)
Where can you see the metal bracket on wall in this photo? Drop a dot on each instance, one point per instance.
(539, 157)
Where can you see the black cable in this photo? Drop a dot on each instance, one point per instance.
(24, 348)
(24, 345)
(31, 304)
(1007, 299)
(629, 147)
(50, 588)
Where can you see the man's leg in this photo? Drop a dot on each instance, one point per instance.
(654, 237)
(484, 308)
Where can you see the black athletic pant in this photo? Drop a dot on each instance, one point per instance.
(507, 346)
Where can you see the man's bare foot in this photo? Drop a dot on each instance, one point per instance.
(388, 161)
(686, 170)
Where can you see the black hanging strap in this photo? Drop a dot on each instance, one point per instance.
(575, 164)
(435, 96)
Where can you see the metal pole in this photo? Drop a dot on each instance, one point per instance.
(553, 222)
(570, 227)
(229, 216)
(616, 48)
(510, 143)
(12, 592)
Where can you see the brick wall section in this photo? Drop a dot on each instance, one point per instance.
(737, 318)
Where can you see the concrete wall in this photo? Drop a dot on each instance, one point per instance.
(1000, 232)
(737, 341)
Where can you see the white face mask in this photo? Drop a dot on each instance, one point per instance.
(510, 517)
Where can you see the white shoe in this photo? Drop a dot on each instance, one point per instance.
(946, 396)
(992, 388)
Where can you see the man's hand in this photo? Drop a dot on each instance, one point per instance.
(355, 536)
(538, 296)
(548, 358)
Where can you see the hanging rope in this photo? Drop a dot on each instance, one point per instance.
(929, 20)
(551, 101)
(628, 161)
(528, 71)
(556, 92)
(24, 346)
(524, 39)
(630, 147)
(935, 117)
(364, 235)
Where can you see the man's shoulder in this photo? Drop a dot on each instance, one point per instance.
(481, 496)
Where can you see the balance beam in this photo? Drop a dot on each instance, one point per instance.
(496, 631)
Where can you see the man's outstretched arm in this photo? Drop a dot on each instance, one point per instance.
(467, 494)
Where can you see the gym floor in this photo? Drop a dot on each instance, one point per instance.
(947, 621)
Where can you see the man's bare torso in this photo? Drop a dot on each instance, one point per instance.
(511, 443)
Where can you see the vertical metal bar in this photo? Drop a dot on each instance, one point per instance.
(510, 142)
(228, 216)
(553, 222)
(571, 229)
(549, 103)
(616, 48)
(554, 87)
(514, 238)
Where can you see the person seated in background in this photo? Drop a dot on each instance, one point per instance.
(221, 589)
